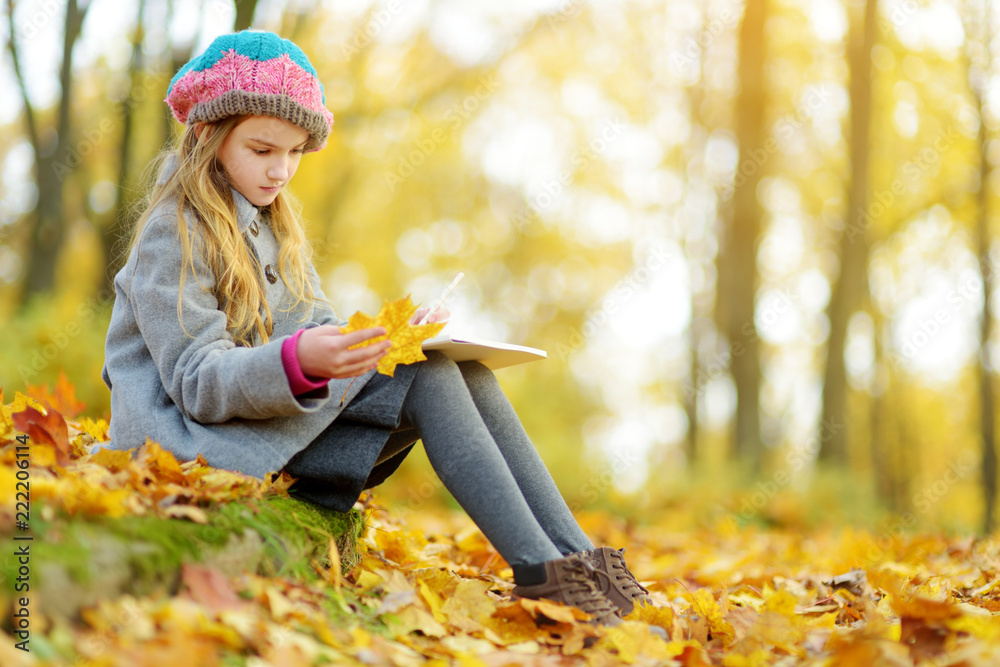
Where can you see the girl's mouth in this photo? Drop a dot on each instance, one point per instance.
(271, 190)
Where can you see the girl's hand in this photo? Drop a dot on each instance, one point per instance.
(439, 315)
(323, 352)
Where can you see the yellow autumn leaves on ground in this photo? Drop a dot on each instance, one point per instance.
(65, 475)
(428, 589)
(406, 338)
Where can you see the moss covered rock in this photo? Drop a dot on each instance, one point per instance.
(76, 560)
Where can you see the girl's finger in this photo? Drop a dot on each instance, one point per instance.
(417, 315)
(361, 335)
(355, 369)
(439, 315)
(368, 353)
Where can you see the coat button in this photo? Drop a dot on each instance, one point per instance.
(254, 229)
(272, 275)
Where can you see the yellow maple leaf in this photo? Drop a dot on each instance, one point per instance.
(406, 338)
(781, 602)
(7, 428)
(111, 459)
(21, 401)
(95, 428)
(704, 604)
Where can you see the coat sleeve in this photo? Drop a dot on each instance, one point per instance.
(208, 377)
(322, 311)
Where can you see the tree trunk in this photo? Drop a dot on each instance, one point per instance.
(111, 233)
(882, 469)
(979, 62)
(700, 324)
(180, 54)
(737, 259)
(985, 367)
(52, 164)
(245, 9)
(851, 288)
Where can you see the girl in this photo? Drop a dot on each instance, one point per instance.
(222, 342)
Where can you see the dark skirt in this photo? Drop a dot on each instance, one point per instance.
(343, 460)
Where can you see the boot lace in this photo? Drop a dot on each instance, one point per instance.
(585, 593)
(630, 585)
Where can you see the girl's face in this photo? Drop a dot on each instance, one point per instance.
(260, 156)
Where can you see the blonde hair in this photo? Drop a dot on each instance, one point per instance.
(201, 187)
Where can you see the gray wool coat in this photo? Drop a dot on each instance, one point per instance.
(204, 394)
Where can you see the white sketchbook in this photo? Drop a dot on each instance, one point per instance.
(493, 355)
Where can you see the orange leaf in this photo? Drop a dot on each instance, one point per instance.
(160, 462)
(924, 608)
(553, 610)
(211, 588)
(63, 398)
(47, 429)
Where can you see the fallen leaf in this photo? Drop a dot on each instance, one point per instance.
(62, 399)
(112, 459)
(554, 610)
(191, 512)
(210, 588)
(49, 429)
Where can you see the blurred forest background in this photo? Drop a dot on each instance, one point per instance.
(757, 239)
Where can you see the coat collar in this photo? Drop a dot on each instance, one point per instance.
(245, 211)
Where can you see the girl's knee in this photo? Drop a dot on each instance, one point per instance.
(477, 375)
(436, 358)
(436, 365)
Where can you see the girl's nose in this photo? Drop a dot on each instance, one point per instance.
(278, 170)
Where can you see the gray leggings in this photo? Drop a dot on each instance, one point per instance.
(477, 446)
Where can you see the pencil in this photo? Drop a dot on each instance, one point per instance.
(444, 295)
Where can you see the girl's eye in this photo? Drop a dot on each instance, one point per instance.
(259, 151)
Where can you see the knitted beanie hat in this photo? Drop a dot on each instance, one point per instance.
(256, 73)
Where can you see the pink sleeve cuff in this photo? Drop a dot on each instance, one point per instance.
(297, 380)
